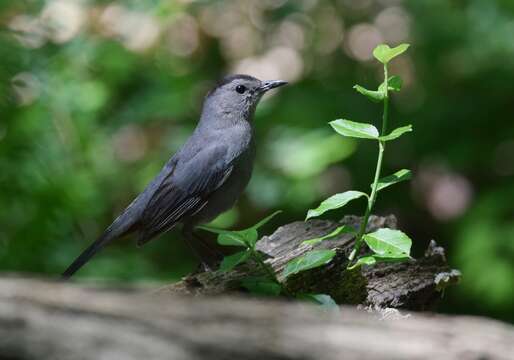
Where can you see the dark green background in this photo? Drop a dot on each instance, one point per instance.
(95, 96)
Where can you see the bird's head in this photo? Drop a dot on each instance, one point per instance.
(238, 95)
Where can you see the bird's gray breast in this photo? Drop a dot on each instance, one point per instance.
(225, 196)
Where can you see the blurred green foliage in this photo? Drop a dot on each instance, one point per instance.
(96, 95)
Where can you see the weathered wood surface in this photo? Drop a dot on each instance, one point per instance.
(42, 320)
(411, 285)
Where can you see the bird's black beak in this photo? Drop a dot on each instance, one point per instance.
(271, 84)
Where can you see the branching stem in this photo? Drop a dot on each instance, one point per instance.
(373, 196)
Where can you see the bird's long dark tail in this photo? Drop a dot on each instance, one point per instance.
(87, 254)
(124, 224)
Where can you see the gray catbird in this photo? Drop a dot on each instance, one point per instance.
(204, 178)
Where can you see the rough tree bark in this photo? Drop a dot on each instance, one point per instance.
(55, 321)
(414, 285)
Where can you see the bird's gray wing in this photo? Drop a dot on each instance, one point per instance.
(185, 190)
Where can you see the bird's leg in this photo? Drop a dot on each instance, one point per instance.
(208, 257)
(189, 240)
(210, 249)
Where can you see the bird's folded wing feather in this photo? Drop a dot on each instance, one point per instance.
(185, 190)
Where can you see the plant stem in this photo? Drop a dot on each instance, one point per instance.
(265, 267)
(373, 196)
(268, 270)
(386, 100)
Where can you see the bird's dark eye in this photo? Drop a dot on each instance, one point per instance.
(240, 89)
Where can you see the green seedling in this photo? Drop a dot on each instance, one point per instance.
(386, 245)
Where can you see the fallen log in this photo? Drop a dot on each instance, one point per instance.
(46, 320)
(415, 284)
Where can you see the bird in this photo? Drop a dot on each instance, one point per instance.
(203, 178)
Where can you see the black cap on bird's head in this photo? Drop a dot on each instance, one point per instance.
(239, 94)
(245, 83)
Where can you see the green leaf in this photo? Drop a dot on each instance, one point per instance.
(214, 230)
(354, 129)
(231, 261)
(324, 300)
(265, 220)
(384, 53)
(238, 238)
(365, 260)
(400, 175)
(396, 133)
(261, 286)
(373, 259)
(394, 83)
(391, 258)
(345, 229)
(389, 243)
(373, 95)
(309, 260)
(335, 202)
(247, 237)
